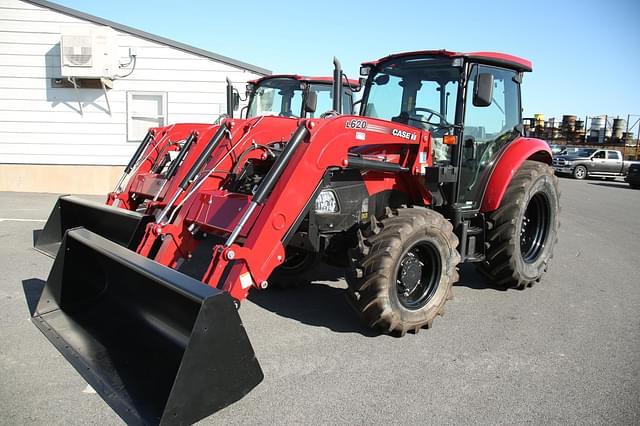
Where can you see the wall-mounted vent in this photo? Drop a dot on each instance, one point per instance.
(88, 51)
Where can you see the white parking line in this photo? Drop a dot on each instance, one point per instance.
(9, 219)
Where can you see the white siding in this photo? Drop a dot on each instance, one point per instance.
(40, 124)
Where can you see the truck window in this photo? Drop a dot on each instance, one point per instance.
(613, 155)
(599, 154)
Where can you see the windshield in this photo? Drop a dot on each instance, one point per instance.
(325, 99)
(277, 96)
(583, 152)
(284, 97)
(418, 91)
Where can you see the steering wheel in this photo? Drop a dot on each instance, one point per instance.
(443, 118)
(329, 114)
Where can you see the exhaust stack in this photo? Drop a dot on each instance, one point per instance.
(229, 98)
(337, 86)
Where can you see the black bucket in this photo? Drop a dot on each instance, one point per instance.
(122, 226)
(158, 346)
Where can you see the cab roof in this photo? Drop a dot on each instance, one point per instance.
(306, 79)
(489, 58)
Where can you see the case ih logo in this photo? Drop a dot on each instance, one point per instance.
(404, 134)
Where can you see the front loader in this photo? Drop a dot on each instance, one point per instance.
(433, 172)
(171, 158)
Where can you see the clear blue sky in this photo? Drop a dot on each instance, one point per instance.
(585, 54)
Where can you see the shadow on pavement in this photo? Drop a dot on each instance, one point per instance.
(317, 304)
(320, 304)
(623, 185)
(33, 288)
(471, 278)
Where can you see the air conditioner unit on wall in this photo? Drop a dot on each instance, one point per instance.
(88, 51)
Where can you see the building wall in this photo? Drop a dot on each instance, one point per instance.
(42, 124)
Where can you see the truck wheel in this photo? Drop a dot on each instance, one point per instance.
(580, 172)
(298, 269)
(634, 185)
(522, 232)
(403, 269)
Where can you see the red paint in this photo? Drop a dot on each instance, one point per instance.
(515, 154)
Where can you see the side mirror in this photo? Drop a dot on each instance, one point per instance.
(310, 101)
(483, 90)
(236, 100)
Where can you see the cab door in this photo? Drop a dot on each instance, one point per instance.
(614, 162)
(486, 132)
(598, 163)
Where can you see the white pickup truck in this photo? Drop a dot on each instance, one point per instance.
(592, 162)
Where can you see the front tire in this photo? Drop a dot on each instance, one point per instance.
(403, 270)
(523, 231)
(580, 173)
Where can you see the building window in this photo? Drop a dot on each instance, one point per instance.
(144, 110)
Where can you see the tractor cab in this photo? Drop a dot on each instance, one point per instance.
(473, 98)
(295, 96)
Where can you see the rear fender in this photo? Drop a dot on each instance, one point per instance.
(516, 153)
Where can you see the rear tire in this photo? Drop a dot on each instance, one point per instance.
(523, 231)
(634, 185)
(580, 173)
(299, 268)
(403, 270)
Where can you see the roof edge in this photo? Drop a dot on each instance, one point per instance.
(311, 79)
(504, 59)
(148, 36)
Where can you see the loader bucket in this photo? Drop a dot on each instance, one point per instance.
(158, 346)
(125, 227)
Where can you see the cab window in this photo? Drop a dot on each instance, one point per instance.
(599, 154)
(613, 155)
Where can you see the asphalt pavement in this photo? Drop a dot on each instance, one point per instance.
(566, 351)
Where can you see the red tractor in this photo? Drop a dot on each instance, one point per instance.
(433, 172)
(170, 159)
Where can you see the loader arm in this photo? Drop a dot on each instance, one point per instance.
(149, 180)
(326, 146)
(178, 240)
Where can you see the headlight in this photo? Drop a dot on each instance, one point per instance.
(567, 163)
(327, 202)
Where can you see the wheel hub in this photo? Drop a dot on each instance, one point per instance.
(418, 275)
(410, 274)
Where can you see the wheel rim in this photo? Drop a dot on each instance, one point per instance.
(580, 172)
(535, 227)
(418, 275)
